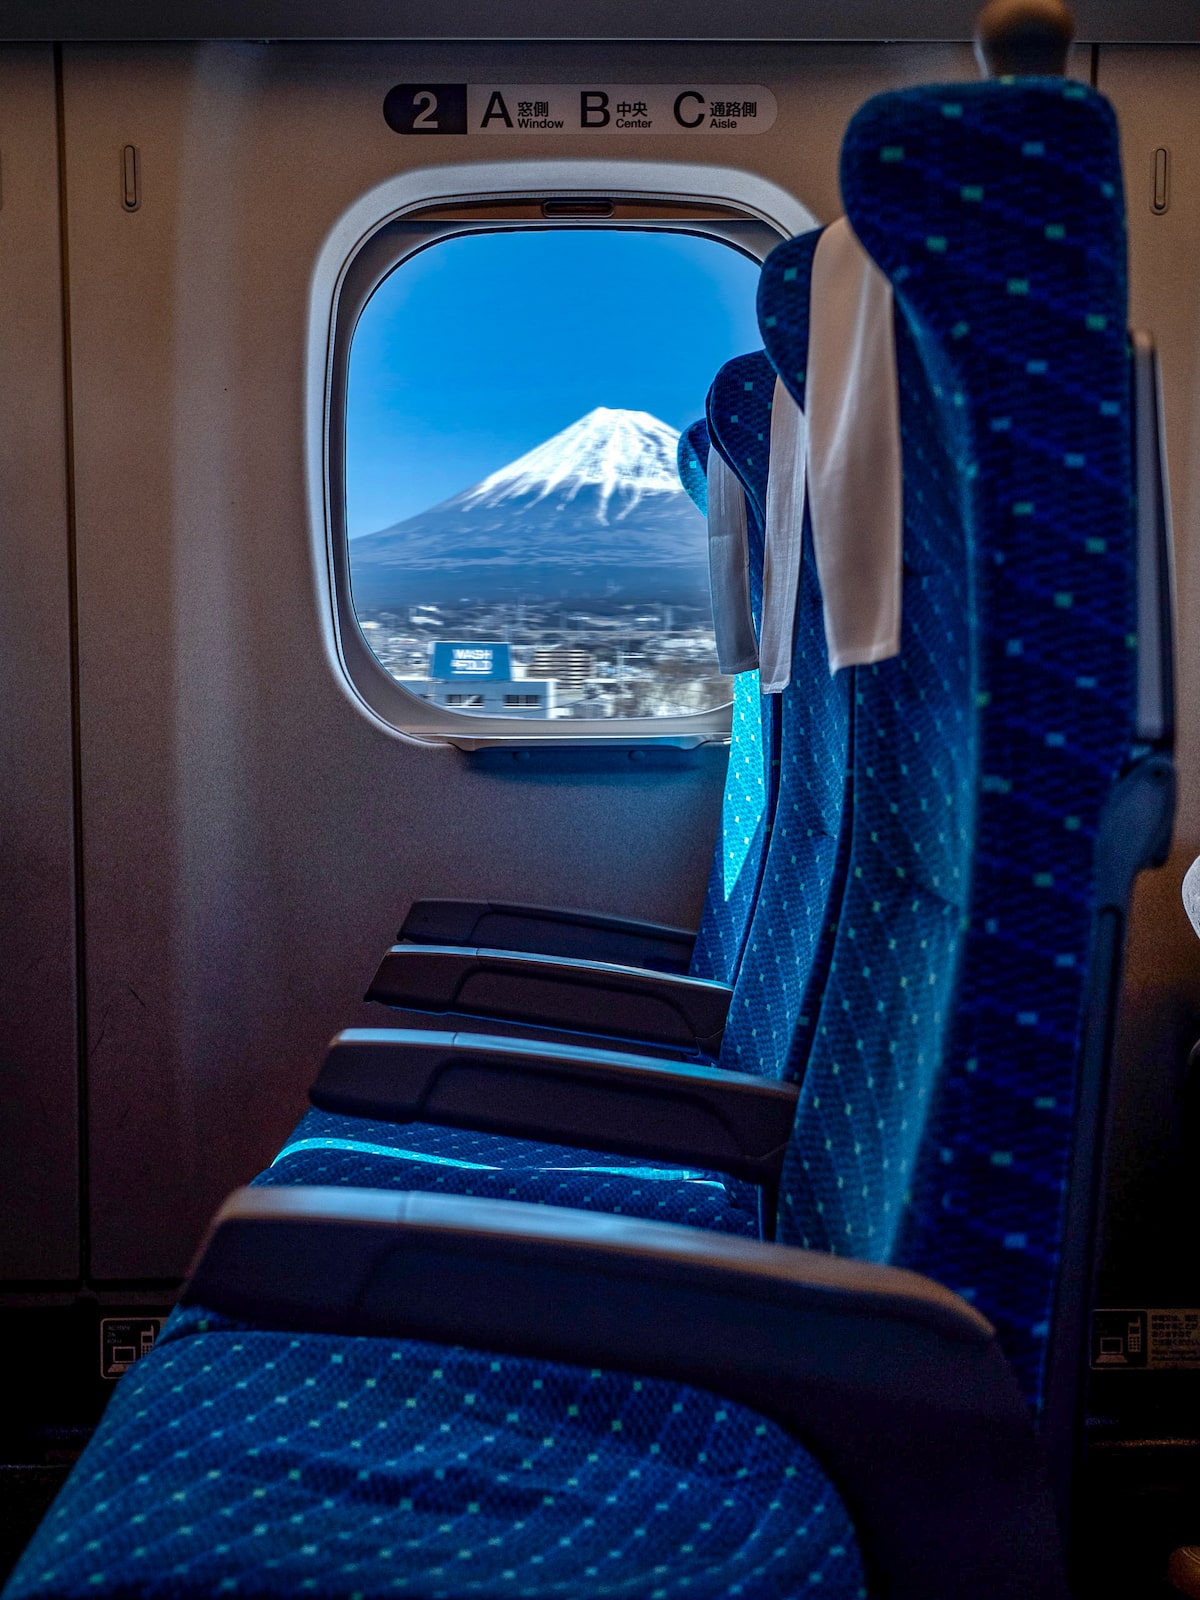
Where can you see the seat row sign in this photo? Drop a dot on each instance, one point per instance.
(625, 108)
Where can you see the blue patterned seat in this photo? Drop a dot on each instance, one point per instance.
(748, 797)
(783, 967)
(326, 1148)
(937, 1107)
(936, 1118)
(748, 810)
(332, 1149)
(769, 889)
(247, 1463)
(692, 463)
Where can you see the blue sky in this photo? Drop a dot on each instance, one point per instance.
(482, 346)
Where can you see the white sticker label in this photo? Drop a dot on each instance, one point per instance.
(1146, 1340)
(422, 109)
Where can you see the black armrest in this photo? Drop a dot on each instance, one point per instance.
(896, 1385)
(552, 992)
(673, 1111)
(548, 931)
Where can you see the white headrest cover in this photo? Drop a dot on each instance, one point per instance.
(844, 456)
(783, 539)
(729, 568)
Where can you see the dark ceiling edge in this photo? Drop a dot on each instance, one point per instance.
(1191, 37)
(562, 21)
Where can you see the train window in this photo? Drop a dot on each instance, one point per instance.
(519, 556)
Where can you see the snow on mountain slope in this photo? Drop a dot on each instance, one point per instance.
(622, 454)
(598, 508)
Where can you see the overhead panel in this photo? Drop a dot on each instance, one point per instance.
(1100, 21)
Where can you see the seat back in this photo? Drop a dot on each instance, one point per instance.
(909, 759)
(944, 1104)
(691, 459)
(782, 971)
(748, 806)
(741, 841)
(745, 817)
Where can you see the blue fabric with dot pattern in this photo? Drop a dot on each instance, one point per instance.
(774, 1003)
(784, 885)
(952, 1012)
(238, 1462)
(778, 979)
(748, 809)
(329, 1149)
(341, 1149)
(935, 1121)
(739, 426)
(745, 819)
(747, 816)
(668, 1491)
(691, 460)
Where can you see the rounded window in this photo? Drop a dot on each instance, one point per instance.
(519, 557)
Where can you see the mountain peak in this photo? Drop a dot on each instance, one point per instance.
(621, 455)
(594, 512)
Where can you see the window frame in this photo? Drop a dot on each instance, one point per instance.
(734, 215)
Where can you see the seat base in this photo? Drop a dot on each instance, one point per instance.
(247, 1463)
(328, 1148)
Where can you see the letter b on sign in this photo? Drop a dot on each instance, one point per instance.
(593, 108)
(426, 108)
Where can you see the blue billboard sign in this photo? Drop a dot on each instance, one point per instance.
(479, 662)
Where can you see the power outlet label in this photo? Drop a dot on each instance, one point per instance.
(1156, 1340)
(124, 1340)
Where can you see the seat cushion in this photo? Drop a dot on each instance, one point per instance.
(330, 1149)
(240, 1462)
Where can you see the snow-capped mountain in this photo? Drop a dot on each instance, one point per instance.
(621, 456)
(596, 510)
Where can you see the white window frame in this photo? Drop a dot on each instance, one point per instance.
(360, 251)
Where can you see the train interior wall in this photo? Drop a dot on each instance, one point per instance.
(207, 842)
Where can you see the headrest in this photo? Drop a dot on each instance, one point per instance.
(825, 311)
(739, 422)
(783, 540)
(739, 412)
(729, 569)
(691, 459)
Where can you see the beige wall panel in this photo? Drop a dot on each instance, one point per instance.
(1156, 92)
(39, 1194)
(252, 838)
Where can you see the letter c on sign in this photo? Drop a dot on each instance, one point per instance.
(688, 94)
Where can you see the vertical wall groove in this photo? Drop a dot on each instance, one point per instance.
(81, 1011)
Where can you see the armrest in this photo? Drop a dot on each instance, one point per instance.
(548, 931)
(673, 1111)
(552, 992)
(897, 1386)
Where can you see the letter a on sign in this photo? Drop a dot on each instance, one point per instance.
(496, 108)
